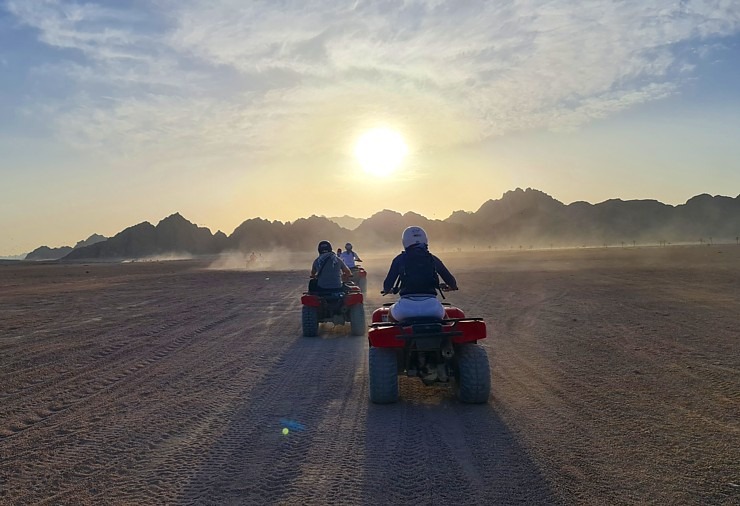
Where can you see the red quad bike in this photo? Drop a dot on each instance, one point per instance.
(437, 351)
(359, 277)
(340, 307)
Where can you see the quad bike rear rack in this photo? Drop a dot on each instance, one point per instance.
(446, 321)
(426, 329)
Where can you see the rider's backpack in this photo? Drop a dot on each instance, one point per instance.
(313, 283)
(419, 274)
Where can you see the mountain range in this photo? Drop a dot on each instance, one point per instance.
(47, 253)
(348, 222)
(520, 218)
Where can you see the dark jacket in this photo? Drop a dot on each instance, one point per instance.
(398, 266)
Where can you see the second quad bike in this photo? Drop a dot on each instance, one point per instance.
(337, 307)
(359, 277)
(437, 351)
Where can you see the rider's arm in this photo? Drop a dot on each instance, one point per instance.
(446, 275)
(393, 274)
(314, 269)
(357, 257)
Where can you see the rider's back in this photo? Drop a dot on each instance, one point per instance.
(418, 272)
(348, 257)
(329, 271)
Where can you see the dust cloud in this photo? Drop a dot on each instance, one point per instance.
(272, 260)
(168, 257)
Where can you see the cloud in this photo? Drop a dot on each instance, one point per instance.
(278, 78)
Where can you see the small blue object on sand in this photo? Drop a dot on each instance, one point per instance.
(292, 424)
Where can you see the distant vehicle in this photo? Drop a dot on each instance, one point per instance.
(359, 277)
(351, 259)
(338, 307)
(437, 351)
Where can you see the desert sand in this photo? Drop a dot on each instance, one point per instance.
(615, 380)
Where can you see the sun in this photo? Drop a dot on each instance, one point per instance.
(380, 151)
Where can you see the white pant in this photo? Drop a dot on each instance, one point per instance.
(413, 306)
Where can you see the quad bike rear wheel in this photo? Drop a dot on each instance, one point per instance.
(383, 365)
(473, 374)
(310, 321)
(357, 320)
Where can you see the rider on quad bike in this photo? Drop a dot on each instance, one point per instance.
(413, 275)
(327, 270)
(349, 257)
(328, 299)
(420, 337)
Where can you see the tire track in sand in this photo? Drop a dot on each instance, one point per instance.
(431, 449)
(314, 384)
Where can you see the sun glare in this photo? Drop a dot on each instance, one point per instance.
(380, 151)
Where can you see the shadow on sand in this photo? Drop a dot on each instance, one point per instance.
(426, 449)
(431, 449)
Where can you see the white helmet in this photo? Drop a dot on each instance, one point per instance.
(414, 235)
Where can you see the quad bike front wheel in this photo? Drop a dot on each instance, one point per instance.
(473, 374)
(310, 321)
(357, 320)
(383, 367)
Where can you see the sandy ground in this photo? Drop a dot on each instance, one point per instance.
(615, 372)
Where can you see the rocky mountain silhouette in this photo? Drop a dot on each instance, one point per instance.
(532, 218)
(346, 222)
(93, 239)
(384, 229)
(300, 235)
(46, 253)
(519, 219)
(173, 235)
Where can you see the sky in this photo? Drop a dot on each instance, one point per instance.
(113, 113)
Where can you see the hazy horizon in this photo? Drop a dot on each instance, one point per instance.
(467, 244)
(112, 114)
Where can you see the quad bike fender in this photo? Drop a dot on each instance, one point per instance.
(466, 331)
(453, 312)
(353, 298)
(473, 331)
(380, 315)
(310, 300)
(386, 337)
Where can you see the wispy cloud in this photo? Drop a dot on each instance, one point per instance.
(257, 77)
